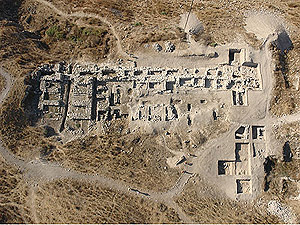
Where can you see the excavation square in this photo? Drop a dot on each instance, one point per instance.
(226, 167)
(242, 133)
(244, 186)
(242, 152)
(258, 133)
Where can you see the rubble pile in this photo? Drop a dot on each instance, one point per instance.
(170, 47)
(157, 47)
(275, 208)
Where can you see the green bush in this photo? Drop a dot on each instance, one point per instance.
(81, 34)
(55, 32)
(138, 24)
(213, 44)
(75, 38)
(87, 31)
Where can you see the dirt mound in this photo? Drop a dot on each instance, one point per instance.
(263, 24)
(191, 24)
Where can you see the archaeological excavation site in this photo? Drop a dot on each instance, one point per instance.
(149, 112)
(77, 99)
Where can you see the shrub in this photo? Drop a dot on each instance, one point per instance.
(138, 24)
(55, 32)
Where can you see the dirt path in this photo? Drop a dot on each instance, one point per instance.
(8, 84)
(88, 15)
(287, 119)
(32, 196)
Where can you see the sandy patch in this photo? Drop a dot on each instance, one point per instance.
(263, 24)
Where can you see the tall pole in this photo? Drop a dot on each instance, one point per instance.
(188, 16)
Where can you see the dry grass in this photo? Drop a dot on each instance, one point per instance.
(13, 194)
(204, 204)
(288, 133)
(221, 19)
(69, 201)
(285, 98)
(17, 135)
(135, 159)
